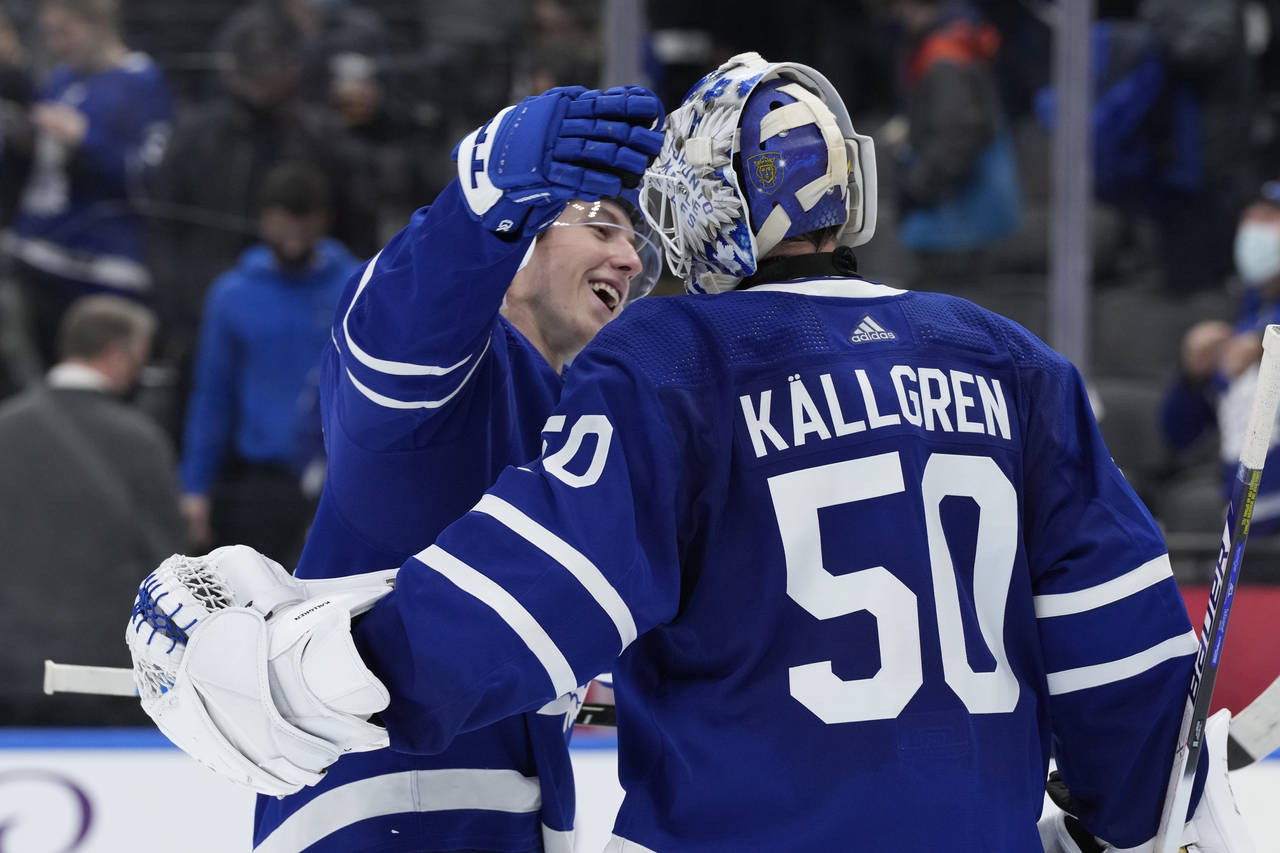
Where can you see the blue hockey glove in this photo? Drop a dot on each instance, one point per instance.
(519, 169)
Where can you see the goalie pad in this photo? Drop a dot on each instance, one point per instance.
(268, 704)
(1216, 826)
(519, 169)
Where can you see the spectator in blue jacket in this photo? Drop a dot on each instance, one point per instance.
(265, 324)
(1218, 369)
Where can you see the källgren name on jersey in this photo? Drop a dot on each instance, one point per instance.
(831, 405)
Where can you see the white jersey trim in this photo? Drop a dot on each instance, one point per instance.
(1148, 574)
(1085, 677)
(556, 841)
(618, 844)
(573, 561)
(396, 368)
(511, 611)
(849, 288)
(392, 403)
(405, 792)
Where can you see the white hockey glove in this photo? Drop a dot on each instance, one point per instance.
(1215, 827)
(519, 169)
(252, 672)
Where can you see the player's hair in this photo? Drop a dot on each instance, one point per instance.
(101, 13)
(816, 238)
(297, 186)
(94, 324)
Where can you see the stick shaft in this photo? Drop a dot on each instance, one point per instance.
(1253, 454)
(99, 680)
(115, 681)
(1255, 731)
(600, 714)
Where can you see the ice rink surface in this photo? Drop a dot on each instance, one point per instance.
(89, 792)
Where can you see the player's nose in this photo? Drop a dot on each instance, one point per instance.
(627, 260)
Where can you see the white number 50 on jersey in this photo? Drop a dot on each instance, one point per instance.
(799, 495)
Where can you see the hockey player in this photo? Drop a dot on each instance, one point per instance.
(100, 124)
(445, 363)
(857, 557)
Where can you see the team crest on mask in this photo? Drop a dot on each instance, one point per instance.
(765, 171)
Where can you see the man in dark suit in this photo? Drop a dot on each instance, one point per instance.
(88, 502)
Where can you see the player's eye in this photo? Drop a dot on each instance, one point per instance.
(602, 231)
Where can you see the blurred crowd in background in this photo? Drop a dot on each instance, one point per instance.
(185, 188)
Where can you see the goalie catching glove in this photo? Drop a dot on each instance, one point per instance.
(1216, 826)
(252, 672)
(518, 170)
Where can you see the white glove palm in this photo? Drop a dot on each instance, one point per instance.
(253, 672)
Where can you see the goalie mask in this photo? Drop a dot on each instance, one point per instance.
(758, 152)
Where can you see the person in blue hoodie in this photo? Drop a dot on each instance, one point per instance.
(265, 323)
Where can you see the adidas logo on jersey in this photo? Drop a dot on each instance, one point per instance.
(869, 330)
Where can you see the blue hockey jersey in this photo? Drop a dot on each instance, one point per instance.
(428, 393)
(76, 221)
(859, 562)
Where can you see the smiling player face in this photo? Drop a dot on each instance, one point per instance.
(576, 280)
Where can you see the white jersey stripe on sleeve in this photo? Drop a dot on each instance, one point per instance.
(1148, 574)
(1082, 678)
(396, 368)
(392, 403)
(557, 840)
(408, 791)
(567, 556)
(512, 612)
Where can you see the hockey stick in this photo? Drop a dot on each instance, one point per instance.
(1255, 731)
(117, 681)
(1253, 453)
(597, 714)
(100, 680)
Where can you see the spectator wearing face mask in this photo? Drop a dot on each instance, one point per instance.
(1218, 369)
(265, 323)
